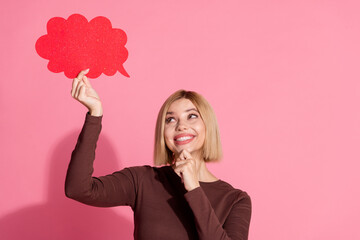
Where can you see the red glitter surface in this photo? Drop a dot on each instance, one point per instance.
(75, 44)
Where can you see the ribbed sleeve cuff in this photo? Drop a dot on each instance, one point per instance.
(93, 119)
(194, 194)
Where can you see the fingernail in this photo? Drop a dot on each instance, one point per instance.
(87, 70)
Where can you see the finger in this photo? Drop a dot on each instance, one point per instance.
(80, 85)
(181, 155)
(82, 91)
(185, 154)
(78, 89)
(86, 81)
(74, 85)
(183, 168)
(82, 74)
(180, 162)
(181, 176)
(179, 172)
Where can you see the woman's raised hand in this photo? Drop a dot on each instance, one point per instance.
(185, 167)
(85, 94)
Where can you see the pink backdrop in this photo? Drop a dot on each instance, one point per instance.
(283, 78)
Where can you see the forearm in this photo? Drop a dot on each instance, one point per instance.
(208, 226)
(207, 223)
(78, 183)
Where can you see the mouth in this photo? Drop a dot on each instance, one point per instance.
(183, 139)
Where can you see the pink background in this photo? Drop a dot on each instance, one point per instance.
(282, 76)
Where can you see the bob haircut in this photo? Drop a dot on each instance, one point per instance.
(212, 150)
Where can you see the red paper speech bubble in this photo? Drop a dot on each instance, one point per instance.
(75, 44)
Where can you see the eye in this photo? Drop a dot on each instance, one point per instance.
(192, 115)
(169, 119)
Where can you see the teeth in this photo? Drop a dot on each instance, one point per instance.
(183, 138)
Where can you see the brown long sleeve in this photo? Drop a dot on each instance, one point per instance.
(112, 190)
(162, 207)
(236, 225)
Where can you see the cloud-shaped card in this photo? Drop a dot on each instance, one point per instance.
(75, 44)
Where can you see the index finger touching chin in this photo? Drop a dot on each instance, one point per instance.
(185, 154)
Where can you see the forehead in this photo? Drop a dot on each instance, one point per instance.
(181, 105)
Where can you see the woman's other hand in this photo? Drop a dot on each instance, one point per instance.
(185, 167)
(85, 94)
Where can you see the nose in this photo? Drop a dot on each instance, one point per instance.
(181, 126)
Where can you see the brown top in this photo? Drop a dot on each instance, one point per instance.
(163, 209)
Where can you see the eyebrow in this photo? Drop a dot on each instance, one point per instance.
(188, 110)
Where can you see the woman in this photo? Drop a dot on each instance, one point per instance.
(180, 200)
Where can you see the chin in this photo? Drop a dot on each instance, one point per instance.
(191, 150)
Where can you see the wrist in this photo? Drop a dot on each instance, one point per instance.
(192, 187)
(96, 112)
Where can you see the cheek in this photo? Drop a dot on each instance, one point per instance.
(202, 132)
(202, 139)
(168, 137)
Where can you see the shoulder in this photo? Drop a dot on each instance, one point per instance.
(238, 199)
(238, 194)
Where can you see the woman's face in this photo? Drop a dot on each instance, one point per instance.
(184, 128)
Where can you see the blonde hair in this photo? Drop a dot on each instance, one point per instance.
(212, 150)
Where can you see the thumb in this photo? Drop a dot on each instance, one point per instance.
(87, 82)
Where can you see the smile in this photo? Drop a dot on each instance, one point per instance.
(183, 139)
